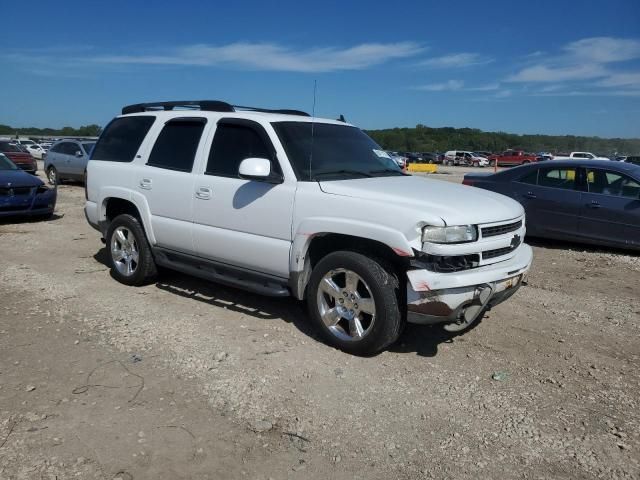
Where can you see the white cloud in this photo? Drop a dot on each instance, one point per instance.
(450, 85)
(484, 88)
(629, 79)
(604, 49)
(269, 56)
(456, 60)
(545, 73)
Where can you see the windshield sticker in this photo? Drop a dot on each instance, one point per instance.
(381, 153)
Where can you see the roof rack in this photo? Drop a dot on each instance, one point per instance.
(205, 105)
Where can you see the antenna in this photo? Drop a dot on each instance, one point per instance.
(313, 117)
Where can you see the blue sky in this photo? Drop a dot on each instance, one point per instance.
(558, 67)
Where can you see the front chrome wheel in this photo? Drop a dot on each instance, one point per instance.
(124, 251)
(346, 305)
(52, 176)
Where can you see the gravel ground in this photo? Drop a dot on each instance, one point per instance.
(238, 386)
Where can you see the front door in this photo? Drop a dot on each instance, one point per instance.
(244, 223)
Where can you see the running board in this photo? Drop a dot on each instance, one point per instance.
(255, 282)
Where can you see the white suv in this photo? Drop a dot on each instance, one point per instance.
(279, 203)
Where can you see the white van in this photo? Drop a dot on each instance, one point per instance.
(461, 157)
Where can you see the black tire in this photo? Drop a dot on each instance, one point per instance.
(53, 176)
(145, 270)
(384, 286)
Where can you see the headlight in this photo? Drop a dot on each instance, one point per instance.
(455, 234)
(42, 189)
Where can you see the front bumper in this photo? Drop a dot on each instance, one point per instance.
(434, 297)
(32, 205)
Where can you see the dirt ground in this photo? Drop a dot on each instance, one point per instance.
(184, 379)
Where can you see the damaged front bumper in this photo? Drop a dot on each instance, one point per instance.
(455, 297)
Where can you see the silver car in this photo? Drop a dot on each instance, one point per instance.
(67, 160)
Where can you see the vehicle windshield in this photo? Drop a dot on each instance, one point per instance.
(7, 147)
(476, 154)
(27, 143)
(88, 146)
(336, 152)
(6, 164)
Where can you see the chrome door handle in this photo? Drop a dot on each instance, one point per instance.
(594, 204)
(530, 195)
(146, 183)
(203, 193)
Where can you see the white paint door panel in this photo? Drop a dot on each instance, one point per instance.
(244, 223)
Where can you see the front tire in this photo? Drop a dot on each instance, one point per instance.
(130, 256)
(355, 302)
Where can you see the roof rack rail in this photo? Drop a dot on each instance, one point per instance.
(205, 105)
(283, 111)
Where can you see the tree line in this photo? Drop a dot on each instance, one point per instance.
(83, 131)
(427, 139)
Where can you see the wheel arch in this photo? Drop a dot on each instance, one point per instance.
(308, 248)
(117, 203)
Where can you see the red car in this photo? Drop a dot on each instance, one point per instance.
(512, 157)
(23, 160)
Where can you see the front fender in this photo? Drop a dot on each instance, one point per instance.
(312, 227)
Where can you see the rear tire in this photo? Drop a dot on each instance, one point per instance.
(130, 255)
(355, 302)
(53, 177)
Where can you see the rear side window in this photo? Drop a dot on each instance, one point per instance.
(564, 178)
(176, 146)
(122, 138)
(611, 183)
(231, 145)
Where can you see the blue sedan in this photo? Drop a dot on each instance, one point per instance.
(591, 201)
(22, 194)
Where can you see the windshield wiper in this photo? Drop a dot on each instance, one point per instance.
(387, 170)
(342, 172)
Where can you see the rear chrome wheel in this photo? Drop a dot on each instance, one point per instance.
(52, 175)
(130, 255)
(124, 251)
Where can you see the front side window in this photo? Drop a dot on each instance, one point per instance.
(176, 146)
(231, 145)
(69, 148)
(607, 182)
(564, 178)
(88, 146)
(324, 151)
(122, 138)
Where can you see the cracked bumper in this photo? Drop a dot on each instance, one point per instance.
(434, 297)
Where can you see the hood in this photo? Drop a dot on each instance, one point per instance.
(456, 204)
(18, 178)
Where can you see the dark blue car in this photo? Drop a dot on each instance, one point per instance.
(591, 201)
(22, 194)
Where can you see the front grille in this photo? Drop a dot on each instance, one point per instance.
(447, 264)
(15, 191)
(501, 229)
(498, 252)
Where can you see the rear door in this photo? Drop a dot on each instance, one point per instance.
(166, 181)
(551, 199)
(610, 210)
(77, 160)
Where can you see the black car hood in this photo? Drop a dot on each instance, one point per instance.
(18, 178)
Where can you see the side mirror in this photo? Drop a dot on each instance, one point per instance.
(79, 153)
(258, 169)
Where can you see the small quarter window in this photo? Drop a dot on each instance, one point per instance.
(176, 146)
(530, 178)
